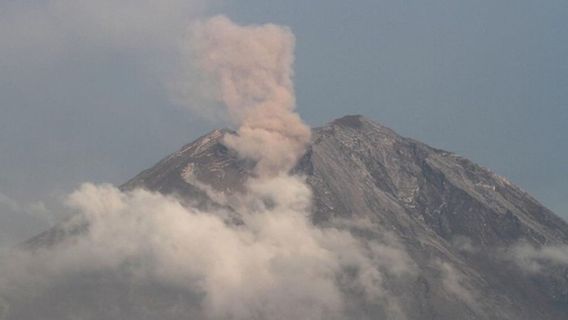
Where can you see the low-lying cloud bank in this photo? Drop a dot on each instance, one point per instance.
(273, 265)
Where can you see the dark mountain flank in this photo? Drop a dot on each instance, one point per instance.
(479, 247)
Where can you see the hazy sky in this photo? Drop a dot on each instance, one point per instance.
(84, 86)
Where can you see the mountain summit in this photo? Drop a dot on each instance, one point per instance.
(464, 243)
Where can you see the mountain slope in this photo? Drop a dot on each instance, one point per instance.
(456, 240)
(457, 220)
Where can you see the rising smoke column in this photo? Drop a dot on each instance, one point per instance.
(251, 68)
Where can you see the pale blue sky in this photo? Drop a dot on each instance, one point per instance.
(81, 95)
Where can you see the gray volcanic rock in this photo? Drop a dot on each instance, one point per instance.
(458, 222)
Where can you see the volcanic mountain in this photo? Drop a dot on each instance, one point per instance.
(479, 247)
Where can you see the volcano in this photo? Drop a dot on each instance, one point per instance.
(475, 240)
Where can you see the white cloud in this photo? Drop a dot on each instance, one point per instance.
(454, 283)
(275, 265)
(534, 259)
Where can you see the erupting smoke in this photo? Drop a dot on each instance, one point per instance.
(273, 264)
(252, 70)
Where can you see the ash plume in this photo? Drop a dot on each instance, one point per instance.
(251, 69)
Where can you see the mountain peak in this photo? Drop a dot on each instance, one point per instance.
(353, 121)
(455, 219)
(360, 123)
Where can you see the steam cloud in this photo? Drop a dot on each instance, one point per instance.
(273, 264)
